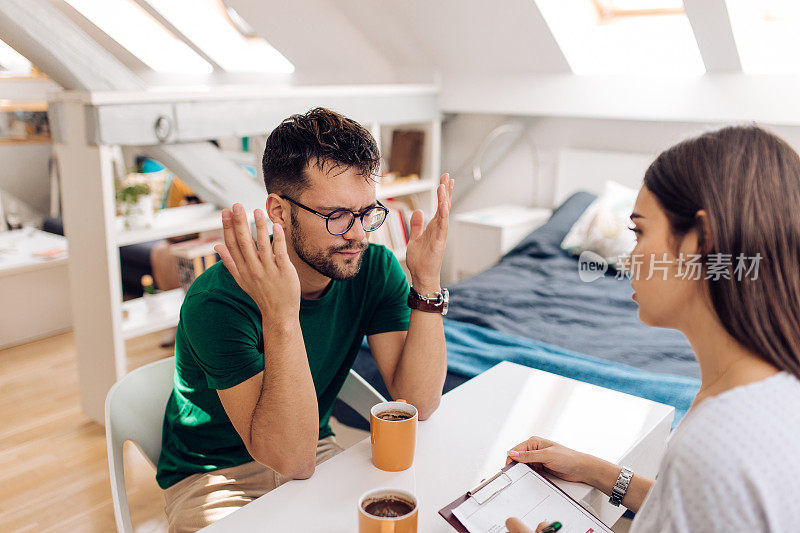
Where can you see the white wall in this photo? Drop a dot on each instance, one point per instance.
(511, 181)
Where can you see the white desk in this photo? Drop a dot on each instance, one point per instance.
(465, 441)
(34, 292)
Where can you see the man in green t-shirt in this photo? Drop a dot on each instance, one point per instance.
(267, 337)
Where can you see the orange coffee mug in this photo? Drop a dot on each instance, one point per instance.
(369, 523)
(393, 441)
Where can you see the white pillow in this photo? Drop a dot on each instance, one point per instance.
(603, 227)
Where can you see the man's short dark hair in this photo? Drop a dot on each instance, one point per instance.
(319, 137)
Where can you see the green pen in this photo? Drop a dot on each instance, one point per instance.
(552, 528)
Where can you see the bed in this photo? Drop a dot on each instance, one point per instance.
(533, 309)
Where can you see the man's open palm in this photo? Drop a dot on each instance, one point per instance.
(426, 246)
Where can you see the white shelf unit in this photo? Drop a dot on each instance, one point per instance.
(424, 185)
(87, 129)
(195, 218)
(421, 192)
(152, 313)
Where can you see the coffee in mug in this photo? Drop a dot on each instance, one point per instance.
(393, 432)
(387, 510)
(394, 414)
(388, 507)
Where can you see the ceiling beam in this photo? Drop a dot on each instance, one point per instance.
(57, 46)
(714, 34)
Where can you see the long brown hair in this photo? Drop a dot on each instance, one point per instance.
(748, 182)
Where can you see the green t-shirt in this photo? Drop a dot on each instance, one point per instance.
(219, 344)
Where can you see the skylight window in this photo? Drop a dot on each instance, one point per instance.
(627, 8)
(133, 28)
(12, 63)
(767, 35)
(213, 29)
(624, 36)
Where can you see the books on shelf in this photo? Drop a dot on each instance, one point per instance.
(395, 231)
(194, 257)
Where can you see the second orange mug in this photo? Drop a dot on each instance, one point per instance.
(393, 441)
(368, 523)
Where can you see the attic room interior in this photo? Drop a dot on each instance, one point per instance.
(516, 266)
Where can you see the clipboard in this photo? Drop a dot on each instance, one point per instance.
(499, 485)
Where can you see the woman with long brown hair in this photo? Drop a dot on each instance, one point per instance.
(722, 211)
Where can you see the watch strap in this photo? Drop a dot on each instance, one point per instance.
(621, 486)
(436, 303)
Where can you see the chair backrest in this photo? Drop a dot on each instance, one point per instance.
(135, 411)
(359, 394)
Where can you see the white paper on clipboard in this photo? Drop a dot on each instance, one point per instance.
(529, 497)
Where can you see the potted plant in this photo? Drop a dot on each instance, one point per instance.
(136, 204)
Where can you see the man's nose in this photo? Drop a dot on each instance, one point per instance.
(356, 232)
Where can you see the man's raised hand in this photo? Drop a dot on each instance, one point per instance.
(426, 247)
(262, 269)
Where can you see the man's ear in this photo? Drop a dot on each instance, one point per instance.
(278, 210)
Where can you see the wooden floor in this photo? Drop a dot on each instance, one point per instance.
(53, 466)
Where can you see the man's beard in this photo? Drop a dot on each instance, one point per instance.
(323, 261)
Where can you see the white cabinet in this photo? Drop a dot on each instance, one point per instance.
(483, 236)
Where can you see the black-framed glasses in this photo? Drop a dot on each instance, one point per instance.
(340, 221)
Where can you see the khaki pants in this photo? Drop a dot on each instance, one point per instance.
(201, 499)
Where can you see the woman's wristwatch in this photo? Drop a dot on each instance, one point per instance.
(437, 303)
(621, 486)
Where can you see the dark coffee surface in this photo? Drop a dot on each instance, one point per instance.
(388, 507)
(394, 415)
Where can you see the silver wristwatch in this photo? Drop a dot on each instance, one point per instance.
(621, 486)
(438, 303)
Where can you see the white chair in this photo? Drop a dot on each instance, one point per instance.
(135, 411)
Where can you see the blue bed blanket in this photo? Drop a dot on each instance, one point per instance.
(535, 292)
(473, 349)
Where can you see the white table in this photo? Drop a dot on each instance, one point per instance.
(465, 441)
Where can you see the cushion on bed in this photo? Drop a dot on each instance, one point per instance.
(545, 241)
(603, 227)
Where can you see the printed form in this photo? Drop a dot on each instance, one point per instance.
(524, 494)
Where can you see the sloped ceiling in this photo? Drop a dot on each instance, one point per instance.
(409, 40)
(317, 37)
(456, 35)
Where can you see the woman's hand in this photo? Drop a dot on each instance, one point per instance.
(569, 465)
(553, 458)
(515, 525)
